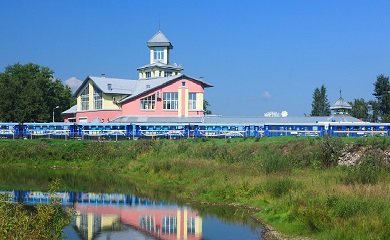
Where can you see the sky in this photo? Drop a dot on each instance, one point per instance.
(260, 56)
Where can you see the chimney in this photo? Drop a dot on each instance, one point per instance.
(109, 86)
(103, 75)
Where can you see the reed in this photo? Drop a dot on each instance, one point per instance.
(294, 181)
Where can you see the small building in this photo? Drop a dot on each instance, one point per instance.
(341, 107)
(161, 91)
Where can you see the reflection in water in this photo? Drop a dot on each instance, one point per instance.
(104, 216)
(129, 215)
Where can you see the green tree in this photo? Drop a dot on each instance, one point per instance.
(381, 106)
(205, 105)
(320, 105)
(360, 109)
(29, 93)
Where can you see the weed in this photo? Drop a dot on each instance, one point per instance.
(278, 187)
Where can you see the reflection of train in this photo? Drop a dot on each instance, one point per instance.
(99, 215)
(120, 131)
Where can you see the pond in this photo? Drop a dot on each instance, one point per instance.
(110, 207)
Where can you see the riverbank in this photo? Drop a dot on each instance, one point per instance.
(295, 182)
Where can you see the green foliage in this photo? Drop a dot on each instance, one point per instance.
(331, 147)
(279, 187)
(275, 164)
(206, 104)
(367, 172)
(360, 109)
(29, 93)
(41, 222)
(315, 219)
(381, 107)
(278, 175)
(320, 105)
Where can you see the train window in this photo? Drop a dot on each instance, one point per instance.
(273, 127)
(179, 127)
(114, 127)
(143, 128)
(86, 127)
(66, 127)
(3, 127)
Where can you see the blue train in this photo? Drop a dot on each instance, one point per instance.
(122, 131)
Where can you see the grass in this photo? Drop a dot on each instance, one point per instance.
(294, 181)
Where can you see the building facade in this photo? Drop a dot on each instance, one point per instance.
(161, 90)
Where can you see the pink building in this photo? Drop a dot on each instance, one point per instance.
(161, 91)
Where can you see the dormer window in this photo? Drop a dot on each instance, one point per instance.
(148, 75)
(158, 54)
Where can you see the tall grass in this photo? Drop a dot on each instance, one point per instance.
(295, 181)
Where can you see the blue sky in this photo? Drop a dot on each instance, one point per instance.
(260, 56)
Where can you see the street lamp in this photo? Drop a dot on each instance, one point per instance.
(53, 111)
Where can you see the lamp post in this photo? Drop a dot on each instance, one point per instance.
(53, 111)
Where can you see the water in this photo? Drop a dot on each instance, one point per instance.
(126, 215)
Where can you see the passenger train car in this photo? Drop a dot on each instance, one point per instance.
(122, 131)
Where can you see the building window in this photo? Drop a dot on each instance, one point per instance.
(158, 54)
(148, 75)
(97, 98)
(192, 101)
(85, 99)
(147, 222)
(183, 84)
(169, 225)
(170, 100)
(191, 226)
(167, 73)
(148, 103)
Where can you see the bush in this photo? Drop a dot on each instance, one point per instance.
(367, 172)
(278, 164)
(331, 147)
(41, 222)
(279, 187)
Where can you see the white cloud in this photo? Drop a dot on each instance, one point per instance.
(73, 83)
(266, 95)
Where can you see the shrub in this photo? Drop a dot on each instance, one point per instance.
(278, 187)
(331, 147)
(41, 222)
(277, 164)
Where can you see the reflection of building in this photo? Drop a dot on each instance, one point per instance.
(163, 222)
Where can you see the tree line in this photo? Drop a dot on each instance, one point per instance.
(377, 110)
(30, 93)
